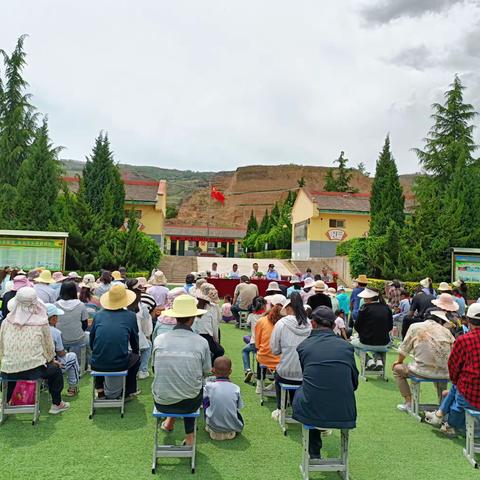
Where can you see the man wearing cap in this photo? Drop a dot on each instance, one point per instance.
(43, 287)
(243, 297)
(463, 367)
(180, 359)
(326, 398)
(295, 286)
(430, 343)
(19, 282)
(67, 360)
(114, 328)
(319, 298)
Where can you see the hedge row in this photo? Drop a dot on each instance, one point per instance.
(473, 291)
(282, 254)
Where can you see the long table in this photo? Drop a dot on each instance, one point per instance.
(226, 286)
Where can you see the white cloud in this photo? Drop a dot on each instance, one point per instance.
(215, 85)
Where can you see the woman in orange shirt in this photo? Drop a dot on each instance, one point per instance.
(263, 331)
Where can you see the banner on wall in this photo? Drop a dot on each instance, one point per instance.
(466, 265)
(33, 249)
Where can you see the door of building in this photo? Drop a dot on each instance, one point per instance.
(181, 248)
(231, 249)
(173, 247)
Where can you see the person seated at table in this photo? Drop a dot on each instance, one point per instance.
(207, 325)
(326, 398)
(289, 332)
(180, 360)
(27, 351)
(373, 325)
(295, 286)
(263, 333)
(463, 366)
(222, 403)
(429, 343)
(254, 273)
(114, 329)
(227, 315)
(320, 297)
(259, 307)
(308, 274)
(243, 297)
(325, 276)
(272, 274)
(234, 274)
(214, 273)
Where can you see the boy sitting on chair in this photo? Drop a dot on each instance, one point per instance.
(67, 360)
(222, 403)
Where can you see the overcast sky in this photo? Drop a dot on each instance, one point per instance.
(213, 85)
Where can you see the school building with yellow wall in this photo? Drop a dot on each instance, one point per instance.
(320, 220)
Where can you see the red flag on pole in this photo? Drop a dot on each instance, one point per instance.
(217, 195)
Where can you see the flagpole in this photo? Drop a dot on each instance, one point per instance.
(208, 210)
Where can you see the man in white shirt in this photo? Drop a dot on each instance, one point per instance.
(234, 274)
(214, 272)
(254, 272)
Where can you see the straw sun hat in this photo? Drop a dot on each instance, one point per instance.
(44, 277)
(117, 297)
(184, 306)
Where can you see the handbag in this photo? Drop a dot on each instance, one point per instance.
(23, 393)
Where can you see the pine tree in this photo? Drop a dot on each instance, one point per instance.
(17, 117)
(387, 202)
(330, 184)
(447, 213)
(252, 226)
(38, 183)
(339, 181)
(104, 189)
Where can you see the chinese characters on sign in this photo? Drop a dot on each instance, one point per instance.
(336, 234)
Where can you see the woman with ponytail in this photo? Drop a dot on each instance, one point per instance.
(288, 333)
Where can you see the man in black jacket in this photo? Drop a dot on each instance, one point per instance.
(320, 297)
(373, 325)
(326, 397)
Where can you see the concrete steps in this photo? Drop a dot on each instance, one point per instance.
(176, 268)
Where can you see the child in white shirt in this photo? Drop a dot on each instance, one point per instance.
(340, 328)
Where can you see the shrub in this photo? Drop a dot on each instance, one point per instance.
(273, 254)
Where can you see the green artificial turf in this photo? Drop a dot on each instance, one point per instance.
(387, 444)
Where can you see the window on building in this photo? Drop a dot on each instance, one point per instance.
(300, 231)
(334, 223)
(138, 214)
(212, 247)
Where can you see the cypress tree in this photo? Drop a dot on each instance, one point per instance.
(104, 189)
(265, 224)
(330, 184)
(39, 183)
(387, 202)
(339, 181)
(17, 117)
(252, 225)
